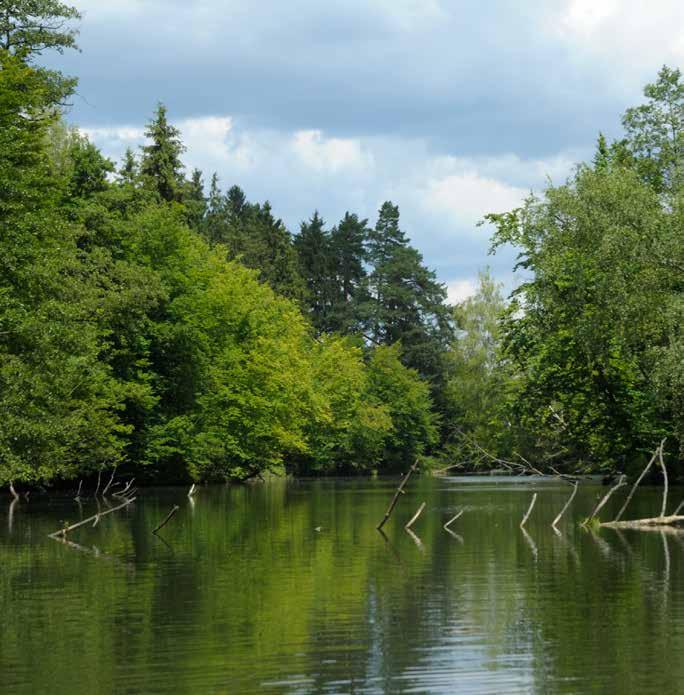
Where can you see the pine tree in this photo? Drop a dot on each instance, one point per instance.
(194, 201)
(313, 249)
(130, 169)
(348, 249)
(161, 161)
(405, 302)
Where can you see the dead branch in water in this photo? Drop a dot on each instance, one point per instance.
(639, 479)
(97, 488)
(109, 484)
(414, 518)
(15, 495)
(95, 518)
(126, 489)
(400, 491)
(666, 483)
(78, 492)
(671, 520)
(529, 511)
(621, 483)
(656, 521)
(193, 490)
(168, 518)
(565, 508)
(451, 521)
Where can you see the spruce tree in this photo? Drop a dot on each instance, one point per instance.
(161, 166)
(313, 249)
(348, 250)
(405, 302)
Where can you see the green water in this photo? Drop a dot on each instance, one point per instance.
(244, 594)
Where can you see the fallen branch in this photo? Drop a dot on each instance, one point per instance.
(414, 518)
(78, 492)
(95, 517)
(97, 489)
(400, 491)
(671, 520)
(168, 518)
(192, 490)
(109, 484)
(639, 479)
(621, 483)
(448, 468)
(122, 493)
(665, 480)
(451, 521)
(13, 491)
(565, 508)
(529, 511)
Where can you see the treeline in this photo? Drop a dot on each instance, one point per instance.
(186, 335)
(151, 319)
(585, 366)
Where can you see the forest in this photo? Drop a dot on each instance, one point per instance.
(155, 320)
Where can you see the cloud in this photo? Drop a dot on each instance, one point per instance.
(459, 290)
(447, 110)
(467, 197)
(329, 154)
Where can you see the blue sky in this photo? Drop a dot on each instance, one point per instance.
(450, 109)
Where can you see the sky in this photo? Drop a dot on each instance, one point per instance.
(451, 109)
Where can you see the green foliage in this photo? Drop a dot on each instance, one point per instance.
(29, 27)
(161, 165)
(58, 399)
(479, 376)
(407, 399)
(655, 132)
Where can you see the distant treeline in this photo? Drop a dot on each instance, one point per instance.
(150, 319)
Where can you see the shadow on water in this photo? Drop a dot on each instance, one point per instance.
(288, 587)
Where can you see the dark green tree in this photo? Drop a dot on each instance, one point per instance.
(348, 251)
(161, 165)
(405, 302)
(313, 249)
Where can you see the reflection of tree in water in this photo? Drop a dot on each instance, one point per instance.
(252, 593)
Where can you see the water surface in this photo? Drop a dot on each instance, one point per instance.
(286, 587)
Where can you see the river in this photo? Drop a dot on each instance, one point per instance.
(287, 587)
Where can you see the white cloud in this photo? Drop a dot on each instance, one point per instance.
(467, 197)
(459, 290)
(628, 39)
(323, 154)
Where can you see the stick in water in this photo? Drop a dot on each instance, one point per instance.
(13, 491)
(399, 491)
(192, 490)
(565, 508)
(639, 479)
(168, 518)
(414, 518)
(529, 511)
(451, 521)
(94, 517)
(621, 483)
(109, 484)
(665, 480)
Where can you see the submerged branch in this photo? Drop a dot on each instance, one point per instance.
(400, 491)
(565, 508)
(639, 479)
(414, 518)
(529, 511)
(95, 518)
